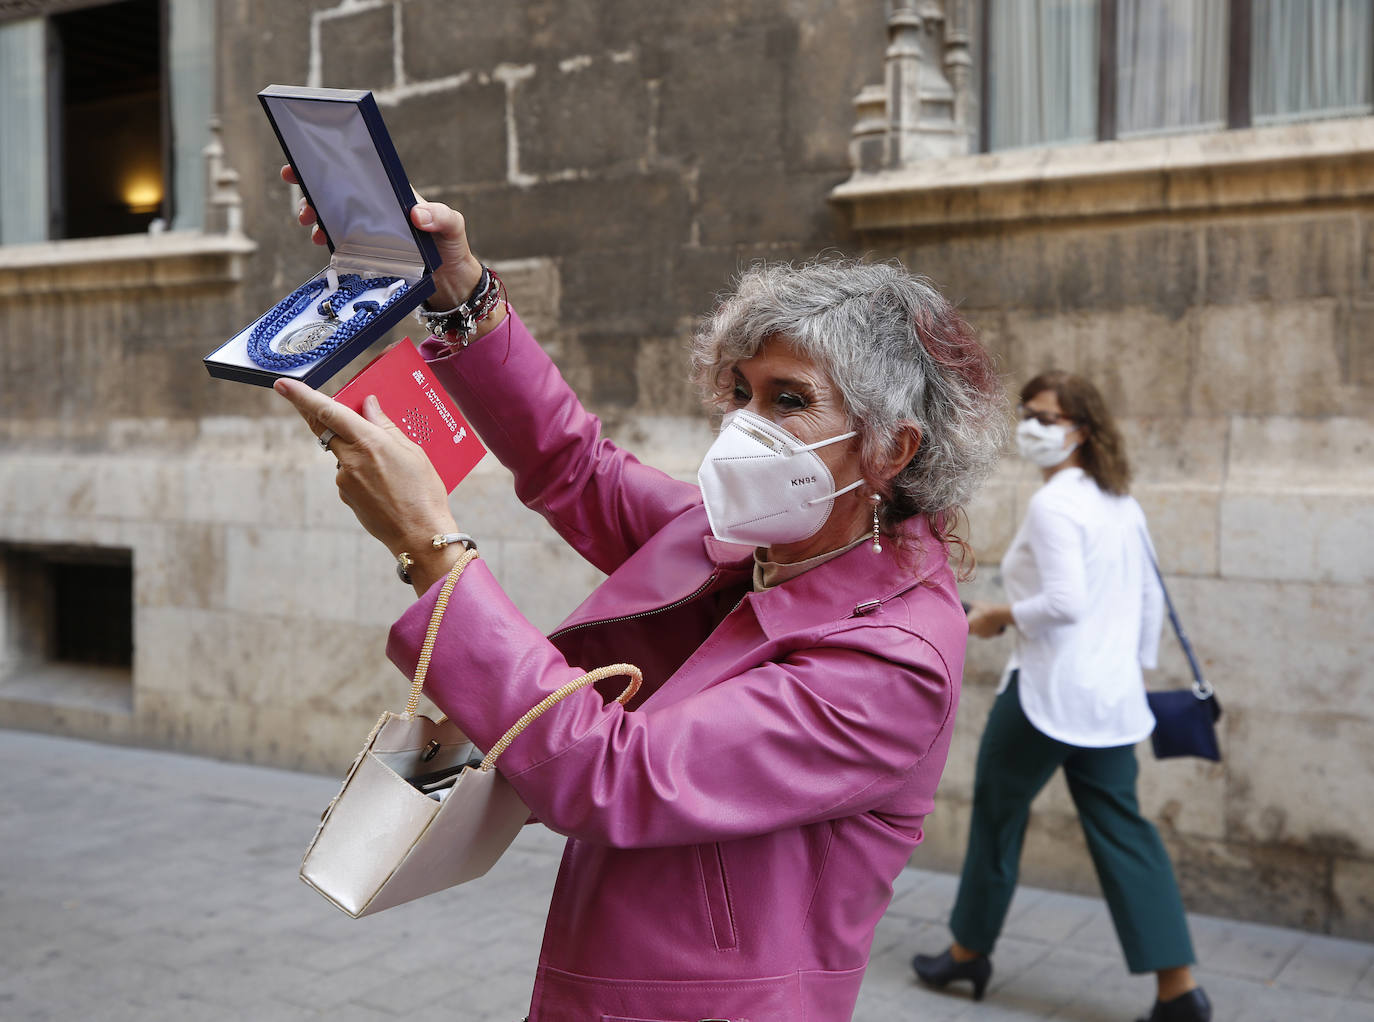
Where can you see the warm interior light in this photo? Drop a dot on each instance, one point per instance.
(143, 194)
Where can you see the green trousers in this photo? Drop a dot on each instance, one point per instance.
(1014, 762)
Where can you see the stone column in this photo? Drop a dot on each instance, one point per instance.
(868, 141)
(920, 98)
(959, 66)
(223, 205)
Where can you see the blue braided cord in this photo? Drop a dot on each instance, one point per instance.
(350, 284)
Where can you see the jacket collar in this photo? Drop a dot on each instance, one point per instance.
(684, 560)
(855, 583)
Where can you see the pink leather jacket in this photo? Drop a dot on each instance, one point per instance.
(734, 834)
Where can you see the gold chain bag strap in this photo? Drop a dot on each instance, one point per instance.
(421, 809)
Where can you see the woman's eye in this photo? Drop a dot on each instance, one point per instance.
(739, 395)
(790, 401)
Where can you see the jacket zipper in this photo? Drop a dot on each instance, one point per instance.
(715, 573)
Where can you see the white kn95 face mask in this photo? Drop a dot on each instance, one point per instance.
(1043, 445)
(763, 486)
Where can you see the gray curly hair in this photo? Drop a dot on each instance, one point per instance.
(900, 356)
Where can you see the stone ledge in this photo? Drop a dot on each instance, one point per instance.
(127, 263)
(1315, 161)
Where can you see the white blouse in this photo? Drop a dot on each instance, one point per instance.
(1088, 611)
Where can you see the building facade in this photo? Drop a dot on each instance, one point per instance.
(177, 570)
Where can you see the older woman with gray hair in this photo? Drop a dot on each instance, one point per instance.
(733, 830)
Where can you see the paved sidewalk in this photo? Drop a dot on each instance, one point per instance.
(138, 885)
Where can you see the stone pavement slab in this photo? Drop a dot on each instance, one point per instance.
(141, 886)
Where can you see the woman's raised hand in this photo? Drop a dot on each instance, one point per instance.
(460, 270)
(383, 476)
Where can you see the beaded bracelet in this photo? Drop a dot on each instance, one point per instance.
(456, 326)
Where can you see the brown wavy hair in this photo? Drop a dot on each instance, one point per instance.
(1102, 453)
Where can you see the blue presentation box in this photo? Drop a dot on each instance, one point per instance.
(339, 148)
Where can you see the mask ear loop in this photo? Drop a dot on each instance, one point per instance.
(826, 443)
(852, 486)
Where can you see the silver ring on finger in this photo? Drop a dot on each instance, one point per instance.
(326, 438)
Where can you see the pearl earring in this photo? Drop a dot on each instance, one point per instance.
(877, 542)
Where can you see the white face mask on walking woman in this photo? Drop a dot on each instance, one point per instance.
(763, 486)
(1043, 445)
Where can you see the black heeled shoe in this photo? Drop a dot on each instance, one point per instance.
(939, 970)
(1190, 1007)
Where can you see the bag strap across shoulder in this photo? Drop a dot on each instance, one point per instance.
(1202, 688)
(427, 651)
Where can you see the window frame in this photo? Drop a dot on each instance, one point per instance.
(56, 148)
(1240, 37)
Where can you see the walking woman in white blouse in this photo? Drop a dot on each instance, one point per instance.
(1087, 611)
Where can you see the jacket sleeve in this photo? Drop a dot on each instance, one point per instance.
(1056, 541)
(824, 733)
(599, 498)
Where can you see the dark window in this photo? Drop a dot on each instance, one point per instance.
(107, 129)
(93, 613)
(66, 605)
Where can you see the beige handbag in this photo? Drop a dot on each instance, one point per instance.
(421, 809)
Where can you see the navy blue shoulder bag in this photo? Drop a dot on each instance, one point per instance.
(1185, 718)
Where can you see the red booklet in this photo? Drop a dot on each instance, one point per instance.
(414, 400)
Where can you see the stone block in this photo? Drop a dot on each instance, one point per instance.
(1268, 360)
(582, 116)
(291, 572)
(673, 444)
(614, 210)
(455, 134)
(628, 22)
(1137, 358)
(972, 272)
(662, 368)
(622, 288)
(51, 486)
(992, 519)
(536, 287)
(1027, 344)
(739, 204)
(1152, 266)
(1299, 537)
(702, 274)
(1184, 798)
(545, 579)
(382, 597)
(249, 733)
(251, 491)
(1185, 450)
(1280, 258)
(610, 359)
(1263, 884)
(1184, 523)
(1287, 453)
(180, 648)
(289, 667)
(1279, 647)
(1300, 799)
(1352, 893)
(823, 80)
(139, 489)
(724, 96)
(357, 49)
(443, 38)
(178, 564)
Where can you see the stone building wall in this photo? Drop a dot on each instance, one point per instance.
(619, 161)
